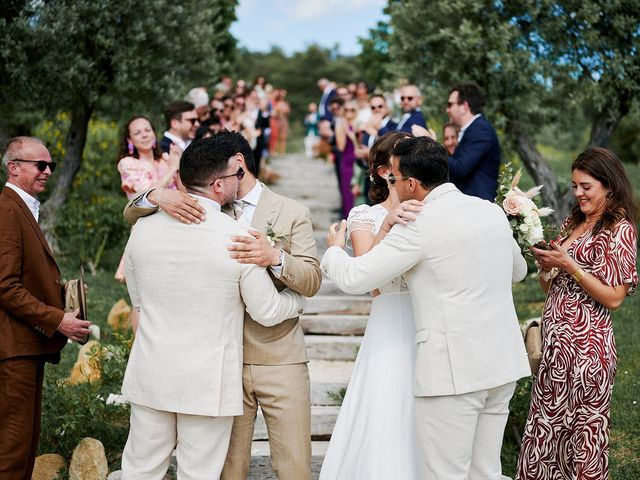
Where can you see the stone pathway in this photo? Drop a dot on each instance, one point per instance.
(334, 322)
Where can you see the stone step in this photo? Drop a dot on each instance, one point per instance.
(334, 324)
(323, 418)
(329, 287)
(260, 448)
(332, 347)
(339, 304)
(329, 377)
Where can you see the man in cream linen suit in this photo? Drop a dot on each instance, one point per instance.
(184, 375)
(459, 260)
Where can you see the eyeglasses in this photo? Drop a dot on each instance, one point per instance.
(408, 99)
(377, 107)
(192, 120)
(393, 179)
(41, 165)
(239, 174)
(451, 104)
(349, 109)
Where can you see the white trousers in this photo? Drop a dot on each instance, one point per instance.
(460, 436)
(201, 445)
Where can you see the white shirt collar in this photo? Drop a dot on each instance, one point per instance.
(32, 203)
(177, 140)
(207, 202)
(253, 196)
(466, 125)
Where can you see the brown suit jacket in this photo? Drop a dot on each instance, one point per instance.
(30, 292)
(281, 344)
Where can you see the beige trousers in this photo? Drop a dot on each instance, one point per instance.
(460, 436)
(201, 445)
(282, 391)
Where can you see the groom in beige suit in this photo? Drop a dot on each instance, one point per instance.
(275, 373)
(184, 374)
(459, 259)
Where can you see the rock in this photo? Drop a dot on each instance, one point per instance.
(88, 461)
(118, 318)
(87, 367)
(47, 466)
(117, 475)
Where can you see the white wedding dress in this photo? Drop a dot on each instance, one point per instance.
(374, 436)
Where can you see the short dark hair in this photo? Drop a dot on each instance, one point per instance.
(239, 144)
(423, 159)
(472, 94)
(175, 110)
(204, 159)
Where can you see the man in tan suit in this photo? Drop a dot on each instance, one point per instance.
(33, 325)
(275, 373)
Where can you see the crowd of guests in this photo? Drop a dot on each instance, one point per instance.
(348, 119)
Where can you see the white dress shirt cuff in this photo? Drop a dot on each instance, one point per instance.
(143, 201)
(277, 269)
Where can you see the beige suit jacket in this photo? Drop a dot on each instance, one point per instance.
(187, 355)
(459, 259)
(284, 343)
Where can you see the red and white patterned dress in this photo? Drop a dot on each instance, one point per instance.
(567, 431)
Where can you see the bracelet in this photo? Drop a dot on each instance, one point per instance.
(578, 275)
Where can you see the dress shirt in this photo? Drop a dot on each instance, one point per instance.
(467, 125)
(249, 203)
(177, 140)
(325, 93)
(32, 203)
(204, 201)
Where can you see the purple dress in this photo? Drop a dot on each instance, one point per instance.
(346, 173)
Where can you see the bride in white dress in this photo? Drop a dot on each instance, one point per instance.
(374, 434)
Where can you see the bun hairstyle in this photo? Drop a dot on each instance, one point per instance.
(620, 204)
(379, 156)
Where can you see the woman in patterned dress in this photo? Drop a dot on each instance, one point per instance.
(142, 165)
(586, 272)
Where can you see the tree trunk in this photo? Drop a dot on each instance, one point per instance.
(603, 127)
(74, 146)
(552, 195)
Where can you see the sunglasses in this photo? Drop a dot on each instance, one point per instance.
(377, 107)
(402, 99)
(216, 110)
(392, 179)
(451, 104)
(239, 174)
(192, 120)
(349, 109)
(41, 165)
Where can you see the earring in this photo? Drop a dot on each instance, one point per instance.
(130, 148)
(609, 194)
(371, 177)
(154, 145)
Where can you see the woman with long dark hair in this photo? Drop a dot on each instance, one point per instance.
(587, 271)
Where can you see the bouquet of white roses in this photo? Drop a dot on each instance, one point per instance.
(522, 212)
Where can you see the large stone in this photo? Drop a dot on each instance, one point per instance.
(89, 461)
(87, 367)
(119, 316)
(47, 466)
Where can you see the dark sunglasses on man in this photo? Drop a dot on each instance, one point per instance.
(239, 174)
(192, 120)
(392, 179)
(41, 165)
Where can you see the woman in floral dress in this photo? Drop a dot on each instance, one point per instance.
(586, 272)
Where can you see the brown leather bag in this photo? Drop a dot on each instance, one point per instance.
(75, 297)
(532, 332)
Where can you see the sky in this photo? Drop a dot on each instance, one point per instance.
(294, 24)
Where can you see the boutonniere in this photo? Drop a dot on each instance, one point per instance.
(273, 236)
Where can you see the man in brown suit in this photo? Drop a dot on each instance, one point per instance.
(275, 374)
(33, 325)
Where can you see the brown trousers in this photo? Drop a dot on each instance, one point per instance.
(20, 408)
(282, 391)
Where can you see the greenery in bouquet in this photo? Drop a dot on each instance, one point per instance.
(525, 217)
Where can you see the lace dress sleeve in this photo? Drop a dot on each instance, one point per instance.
(361, 218)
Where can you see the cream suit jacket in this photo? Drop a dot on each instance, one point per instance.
(187, 355)
(283, 344)
(460, 259)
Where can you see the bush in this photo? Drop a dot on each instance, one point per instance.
(72, 412)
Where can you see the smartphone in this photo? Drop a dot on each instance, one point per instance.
(543, 246)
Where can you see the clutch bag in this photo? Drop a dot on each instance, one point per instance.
(75, 297)
(532, 332)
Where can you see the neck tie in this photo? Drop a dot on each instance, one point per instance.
(238, 211)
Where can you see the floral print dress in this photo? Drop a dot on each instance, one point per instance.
(567, 431)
